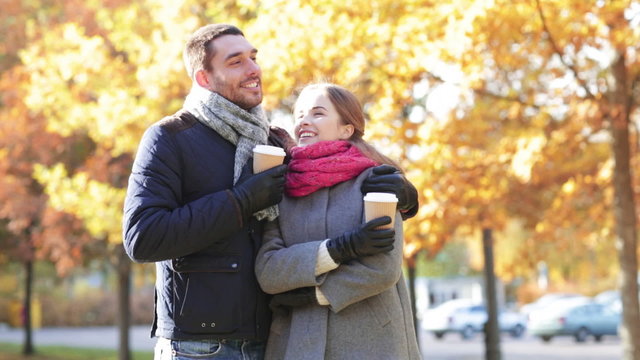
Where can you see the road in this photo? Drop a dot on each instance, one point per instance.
(450, 348)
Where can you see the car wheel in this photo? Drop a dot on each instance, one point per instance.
(516, 331)
(546, 338)
(467, 332)
(582, 334)
(439, 335)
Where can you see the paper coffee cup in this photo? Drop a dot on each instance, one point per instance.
(266, 156)
(378, 204)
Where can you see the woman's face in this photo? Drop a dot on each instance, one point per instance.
(316, 119)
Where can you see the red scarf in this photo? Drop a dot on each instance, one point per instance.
(323, 164)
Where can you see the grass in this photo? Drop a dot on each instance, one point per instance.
(14, 352)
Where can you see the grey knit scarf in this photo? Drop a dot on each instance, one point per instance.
(244, 129)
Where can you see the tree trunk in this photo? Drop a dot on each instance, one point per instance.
(411, 273)
(124, 310)
(26, 309)
(491, 329)
(625, 214)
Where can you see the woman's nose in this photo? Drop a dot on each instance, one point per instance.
(302, 120)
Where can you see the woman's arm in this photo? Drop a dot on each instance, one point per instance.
(280, 268)
(359, 279)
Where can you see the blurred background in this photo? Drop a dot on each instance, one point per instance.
(516, 120)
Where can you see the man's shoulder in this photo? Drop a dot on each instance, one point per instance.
(177, 122)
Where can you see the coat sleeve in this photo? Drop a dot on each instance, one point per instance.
(280, 268)
(359, 279)
(156, 226)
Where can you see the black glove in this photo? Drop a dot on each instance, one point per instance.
(386, 178)
(362, 242)
(260, 191)
(294, 298)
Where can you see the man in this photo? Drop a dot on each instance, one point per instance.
(194, 207)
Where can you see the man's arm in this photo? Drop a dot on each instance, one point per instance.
(156, 226)
(386, 178)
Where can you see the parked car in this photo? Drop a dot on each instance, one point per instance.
(544, 301)
(466, 318)
(577, 317)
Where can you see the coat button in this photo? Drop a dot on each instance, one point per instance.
(213, 324)
(204, 325)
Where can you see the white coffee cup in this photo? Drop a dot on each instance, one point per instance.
(377, 204)
(267, 156)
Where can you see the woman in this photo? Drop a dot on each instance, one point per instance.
(339, 285)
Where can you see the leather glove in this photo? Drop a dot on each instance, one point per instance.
(260, 191)
(294, 298)
(362, 242)
(386, 178)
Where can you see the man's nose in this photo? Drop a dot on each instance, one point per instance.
(253, 69)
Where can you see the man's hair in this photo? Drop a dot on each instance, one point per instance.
(199, 49)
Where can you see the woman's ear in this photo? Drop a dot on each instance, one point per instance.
(346, 131)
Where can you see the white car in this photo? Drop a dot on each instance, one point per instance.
(575, 317)
(545, 300)
(466, 318)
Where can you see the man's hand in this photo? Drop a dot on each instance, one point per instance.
(294, 298)
(386, 178)
(365, 241)
(261, 190)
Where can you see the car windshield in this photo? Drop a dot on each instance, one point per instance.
(563, 305)
(453, 304)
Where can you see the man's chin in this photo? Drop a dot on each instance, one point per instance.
(250, 103)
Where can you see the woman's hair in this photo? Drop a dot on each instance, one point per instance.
(350, 111)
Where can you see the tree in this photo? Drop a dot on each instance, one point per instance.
(24, 142)
(576, 72)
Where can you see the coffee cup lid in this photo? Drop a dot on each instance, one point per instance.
(269, 150)
(380, 197)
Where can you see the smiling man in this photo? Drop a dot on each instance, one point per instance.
(195, 208)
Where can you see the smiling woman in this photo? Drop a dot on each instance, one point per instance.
(337, 278)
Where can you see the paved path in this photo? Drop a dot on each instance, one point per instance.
(91, 337)
(451, 348)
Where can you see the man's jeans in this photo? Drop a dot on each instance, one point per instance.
(208, 349)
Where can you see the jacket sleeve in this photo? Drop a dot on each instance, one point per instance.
(280, 268)
(156, 226)
(357, 280)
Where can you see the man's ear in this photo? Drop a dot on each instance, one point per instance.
(202, 79)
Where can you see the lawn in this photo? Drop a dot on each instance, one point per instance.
(13, 352)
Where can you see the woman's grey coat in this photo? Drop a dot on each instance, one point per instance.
(370, 313)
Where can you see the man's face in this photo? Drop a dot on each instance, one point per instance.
(236, 74)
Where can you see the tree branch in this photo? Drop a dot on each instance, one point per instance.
(559, 52)
(487, 93)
